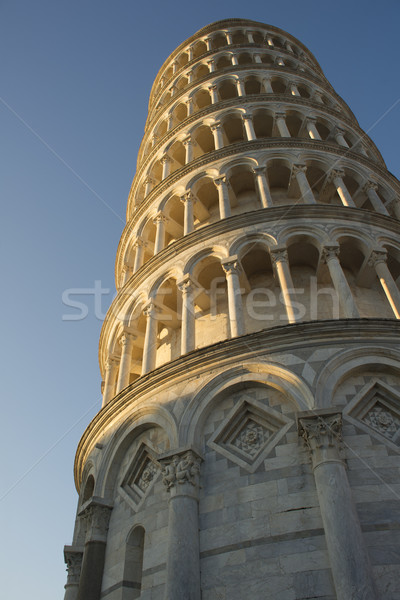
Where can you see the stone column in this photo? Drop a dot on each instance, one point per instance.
(317, 97)
(339, 137)
(299, 171)
(257, 59)
(294, 90)
(190, 53)
(154, 140)
(240, 88)
(139, 246)
(188, 220)
(213, 93)
(229, 38)
(166, 164)
(378, 260)
(181, 478)
(170, 121)
(266, 82)
(208, 43)
(280, 62)
(109, 380)
(189, 103)
(249, 128)
(218, 137)
(250, 37)
(344, 194)
(98, 516)
(186, 286)
(395, 204)
(188, 144)
(127, 272)
(159, 221)
(269, 41)
(148, 185)
(211, 65)
(235, 60)
(351, 571)
(126, 341)
(370, 189)
(280, 118)
(190, 76)
(232, 268)
(312, 128)
(173, 90)
(288, 47)
(330, 257)
(280, 261)
(175, 67)
(150, 338)
(223, 197)
(263, 187)
(73, 560)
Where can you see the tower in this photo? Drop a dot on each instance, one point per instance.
(248, 442)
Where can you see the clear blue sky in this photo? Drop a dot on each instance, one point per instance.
(75, 82)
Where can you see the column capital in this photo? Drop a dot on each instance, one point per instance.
(150, 309)
(165, 159)
(215, 126)
(159, 218)
(189, 100)
(247, 116)
(298, 168)
(321, 430)
(221, 180)
(180, 470)
(259, 170)
(187, 197)
(97, 515)
(212, 87)
(148, 180)
(73, 559)
(329, 252)
(111, 362)
(186, 284)
(280, 114)
(311, 118)
(211, 61)
(126, 338)
(338, 130)
(139, 243)
(336, 173)
(187, 140)
(371, 185)
(377, 256)
(279, 255)
(231, 265)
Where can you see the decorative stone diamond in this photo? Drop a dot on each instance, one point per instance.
(140, 475)
(383, 420)
(376, 408)
(249, 433)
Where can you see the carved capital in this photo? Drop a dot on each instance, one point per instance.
(371, 185)
(221, 181)
(139, 243)
(376, 257)
(159, 218)
(186, 285)
(187, 197)
(126, 339)
(215, 126)
(259, 171)
(335, 173)
(165, 159)
(179, 469)
(280, 115)
(330, 252)
(98, 518)
(111, 363)
(150, 310)
(73, 560)
(231, 265)
(212, 87)
(187, 141)
(247, 116)
(298, 168)
(321, 431)
(279, 255)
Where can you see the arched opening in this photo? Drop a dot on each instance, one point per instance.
(227, 90)
(173, 211)
(223, 62)
(239, 37)
(316, 299)
(199, 72)
(233, 129)
(279, 178)
(244, 197)
(294, 123)
(88, 489)
(263, 123)
(218, 41)
(180, 113)
(278, 85)
(206, 207)
(245, 58)
(201, 99)
(168, 303)
(204, 141)
(133, 567)
(252, 85)
(199, 48)
(177, 153)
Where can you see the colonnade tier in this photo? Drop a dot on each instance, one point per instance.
(229, 34)
(245, 283)
(209, 195)
(246, 124)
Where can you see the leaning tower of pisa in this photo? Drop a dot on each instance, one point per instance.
(248, 441)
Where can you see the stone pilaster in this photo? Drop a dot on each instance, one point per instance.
(73, 559)
(321, 430)
(180, 471)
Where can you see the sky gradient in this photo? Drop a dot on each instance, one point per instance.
(76, 78)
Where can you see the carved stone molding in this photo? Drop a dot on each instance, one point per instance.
(73, 560)
(97, 517)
